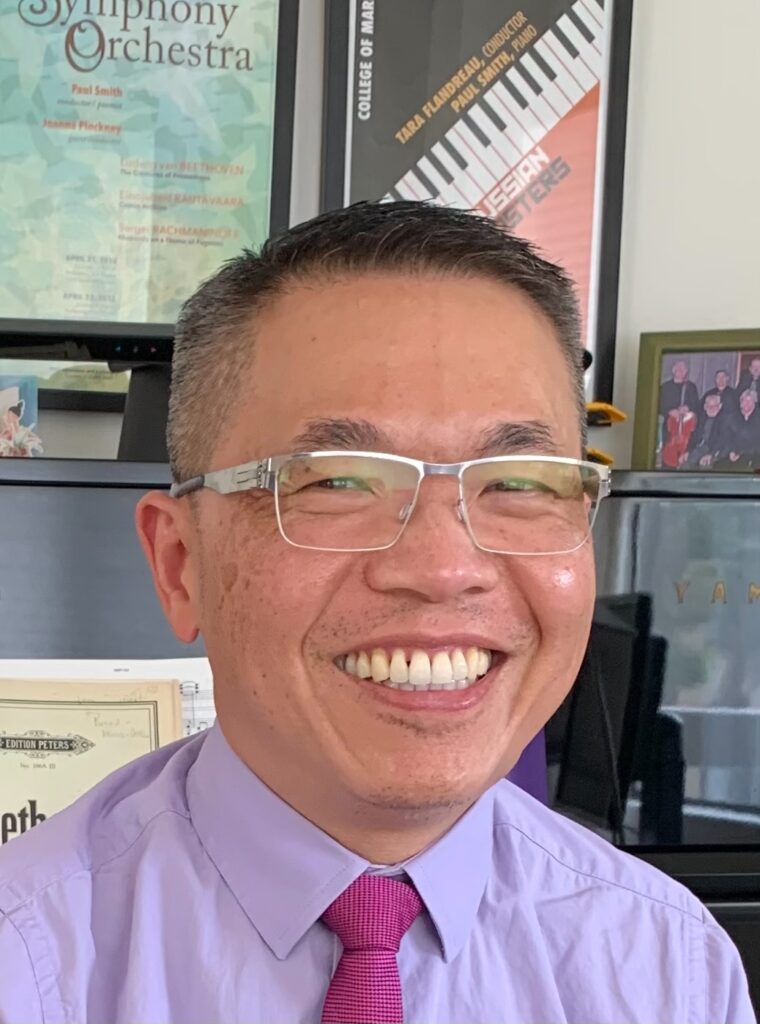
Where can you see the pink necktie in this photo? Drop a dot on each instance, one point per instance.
(370, 918)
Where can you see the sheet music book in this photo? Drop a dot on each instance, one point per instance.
(59, 737)
(194, 675)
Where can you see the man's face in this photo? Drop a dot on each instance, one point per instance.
(680, 372)
(712, 405)
(432, 362)
(748, 403)
(754, 368)
(721, 380)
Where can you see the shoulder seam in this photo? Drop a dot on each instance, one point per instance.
(18, 932)
(92, 868)
(588, 874)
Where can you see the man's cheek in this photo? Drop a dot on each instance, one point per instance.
(575, 579)
(569, 581)
(565, 603)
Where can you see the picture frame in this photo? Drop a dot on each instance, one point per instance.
(428, 46)
(686, 378)
(111, 335)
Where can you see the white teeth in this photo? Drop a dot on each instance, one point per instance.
(363, 667)
(399, 667)
(458, 666)
(446, 670)
(473, 661)
(419, 669)
(380, 667)
(440, 671)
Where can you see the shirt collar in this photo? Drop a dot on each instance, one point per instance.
(285, 871)
(451, 875)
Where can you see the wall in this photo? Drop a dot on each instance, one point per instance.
(691, 223)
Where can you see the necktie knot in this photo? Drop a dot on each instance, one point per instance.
(373, 913)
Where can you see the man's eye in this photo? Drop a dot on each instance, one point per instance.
(342, 483)
(519, 484)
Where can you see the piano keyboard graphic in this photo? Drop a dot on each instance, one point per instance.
(513, 115)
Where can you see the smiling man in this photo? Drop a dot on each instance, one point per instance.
(381, 527)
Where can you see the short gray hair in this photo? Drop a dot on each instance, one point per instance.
(213, 338)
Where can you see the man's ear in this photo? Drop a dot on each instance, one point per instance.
(166, 532)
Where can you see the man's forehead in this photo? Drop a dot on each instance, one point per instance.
(429, 382)
(500, 437)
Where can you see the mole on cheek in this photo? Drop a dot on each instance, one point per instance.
(229, 575)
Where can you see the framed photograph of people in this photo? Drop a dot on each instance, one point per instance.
(517, 112)
(698, 402)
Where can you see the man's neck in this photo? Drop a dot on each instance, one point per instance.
(389, 846)
(379, 832)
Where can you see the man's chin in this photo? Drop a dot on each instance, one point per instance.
(424, 798)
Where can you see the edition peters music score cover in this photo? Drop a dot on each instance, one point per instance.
(59, 738)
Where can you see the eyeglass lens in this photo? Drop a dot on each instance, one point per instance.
(350, 502)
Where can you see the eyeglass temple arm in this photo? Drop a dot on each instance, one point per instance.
(195, 483)
(605, 481)
(227, 481)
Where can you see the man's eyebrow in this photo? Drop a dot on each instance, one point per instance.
(341, 434)
(344, 434)
(511, 437)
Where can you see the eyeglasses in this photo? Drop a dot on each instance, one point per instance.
(362, 501)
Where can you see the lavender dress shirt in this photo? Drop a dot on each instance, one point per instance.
(182, 890)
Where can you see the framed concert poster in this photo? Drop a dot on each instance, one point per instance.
(142, 142)
(515, 111)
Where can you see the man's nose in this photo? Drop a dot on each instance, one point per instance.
(435, 558)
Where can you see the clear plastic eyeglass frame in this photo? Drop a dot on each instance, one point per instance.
(263, 474)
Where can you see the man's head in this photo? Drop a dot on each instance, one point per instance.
(747, 402)
(680, 371)
(214, 343)
(405, 329)
(754, 367)
(721, 380)
(712, 405)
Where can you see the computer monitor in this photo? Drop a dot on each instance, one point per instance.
(74, 581)
(594, 736)
(143, 349)
(82, 341)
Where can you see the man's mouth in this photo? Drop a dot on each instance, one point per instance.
(454, 668)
